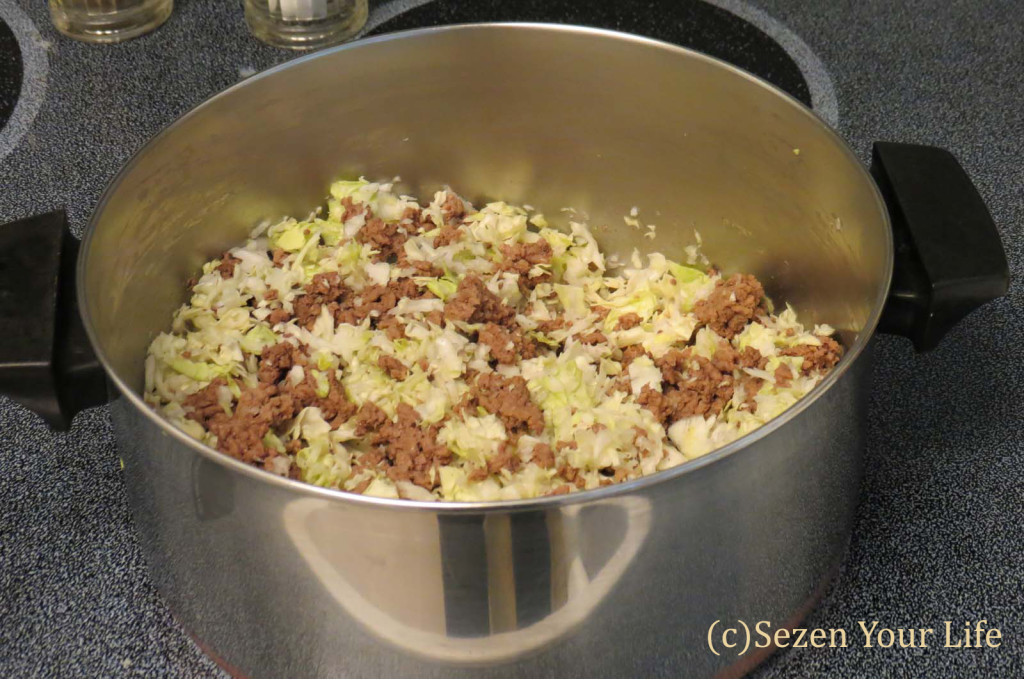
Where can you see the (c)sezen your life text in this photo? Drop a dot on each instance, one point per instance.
(728, 639)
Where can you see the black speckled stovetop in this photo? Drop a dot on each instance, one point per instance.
(941, 524)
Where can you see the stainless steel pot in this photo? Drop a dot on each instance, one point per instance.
(280, 579)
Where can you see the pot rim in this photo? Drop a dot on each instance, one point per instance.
(545, 502)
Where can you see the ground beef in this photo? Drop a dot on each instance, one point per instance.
(675, 365)
(370, 459)
(392, 327)
(411, 451)
(526, 347)
(623, 383)
(240, 435)
(672, 404)
(783, 376)
(278, 256)
(375, 301)
(270, 295)
(395, 369)
(499, 341)
(369, 418)
(547, 327)
(420, 267)
(387, 239)
(453, 209)
(520, 258)
(478, 474)
(335, 408)
(205, 404)
(572, 475)
(731, 305)
(506, 346)
(693, 386)
(474, 303)
(726, 358)
(628, 321)
(544, 456)
(591, 338)
(654, 401)
(325, 289)
(347, 306)
(752, 358)
(258, 410)
(509, 399)
(278, 359)
(448, 235)
(506, 458)
(227, 265)
(751, 386)
(816, 358)
(633, 352)
(328, 286)
(278, 315)
(352, 209)
(285, 400)
(413, 222)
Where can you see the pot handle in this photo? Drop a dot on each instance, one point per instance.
(949, 259)
(46, 361)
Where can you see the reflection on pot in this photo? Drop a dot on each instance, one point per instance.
(467, 588)
(213, 489)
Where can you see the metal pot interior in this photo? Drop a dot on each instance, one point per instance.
(553, 116)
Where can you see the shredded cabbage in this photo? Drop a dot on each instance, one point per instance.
(593, 416)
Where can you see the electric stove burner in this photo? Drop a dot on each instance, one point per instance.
(23, 74)
(11, 72)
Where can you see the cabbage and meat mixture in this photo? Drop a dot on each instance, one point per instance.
(450, 353)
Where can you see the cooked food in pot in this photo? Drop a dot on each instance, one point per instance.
(449, 353)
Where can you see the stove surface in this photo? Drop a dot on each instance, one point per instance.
(696, 24)
(940, 525)
(11, 71)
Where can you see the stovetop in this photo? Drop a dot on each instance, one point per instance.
(11, 71)
(940, 525)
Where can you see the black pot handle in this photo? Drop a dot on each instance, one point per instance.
(949, 259)
(46, 361)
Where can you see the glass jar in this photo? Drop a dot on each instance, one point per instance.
(305, 24)
(108, 20)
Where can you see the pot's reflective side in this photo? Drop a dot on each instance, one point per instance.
(278, 583)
